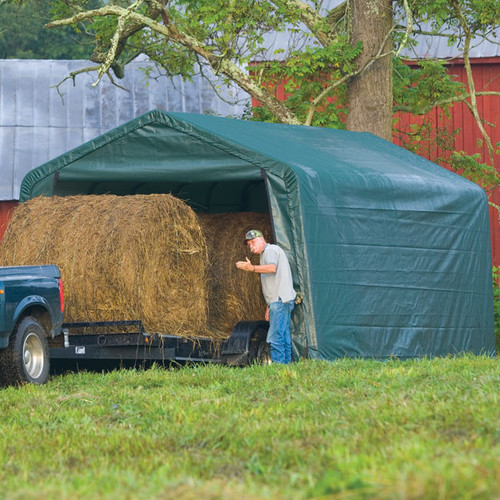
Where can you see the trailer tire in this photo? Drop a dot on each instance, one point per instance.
(263, 356)
(26, 359)
(260, 351)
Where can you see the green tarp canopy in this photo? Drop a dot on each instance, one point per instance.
(391, 251)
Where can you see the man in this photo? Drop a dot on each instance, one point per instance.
(277, 288)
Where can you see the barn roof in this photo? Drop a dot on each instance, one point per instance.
(391, 250)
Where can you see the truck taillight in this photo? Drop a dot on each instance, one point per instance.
(61, 294)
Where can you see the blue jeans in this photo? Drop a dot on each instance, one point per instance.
(278, 335)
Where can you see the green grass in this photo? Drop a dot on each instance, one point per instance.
(346, 429)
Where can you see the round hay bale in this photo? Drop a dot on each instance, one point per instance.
(121, 257)
(234, 295)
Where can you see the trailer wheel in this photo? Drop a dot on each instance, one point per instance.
(263, 356)
(260, 350)
(26, 359)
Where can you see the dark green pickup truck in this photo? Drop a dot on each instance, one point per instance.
(31, 311)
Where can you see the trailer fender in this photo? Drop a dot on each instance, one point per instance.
(247, 343)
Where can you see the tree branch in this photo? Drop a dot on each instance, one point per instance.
(470, 79)
(74, 74)
(450, 100)
(129, 29)
(115, 41)
(337, 13)
(313, 20)
(409, 27)
(171, 32)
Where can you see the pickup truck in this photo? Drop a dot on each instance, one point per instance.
(31, 312)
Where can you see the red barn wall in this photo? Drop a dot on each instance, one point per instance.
(6, 208)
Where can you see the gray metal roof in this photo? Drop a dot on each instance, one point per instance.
(436, 47)
(429, 47)
(37, 125)
(278, 45)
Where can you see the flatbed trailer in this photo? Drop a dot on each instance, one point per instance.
(99, 343)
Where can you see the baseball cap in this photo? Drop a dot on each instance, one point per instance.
(253, 233)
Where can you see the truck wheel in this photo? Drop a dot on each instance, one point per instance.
(26, 359)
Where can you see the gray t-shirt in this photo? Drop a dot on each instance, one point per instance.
(278, 285)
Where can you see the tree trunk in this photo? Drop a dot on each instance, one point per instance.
(370, 93)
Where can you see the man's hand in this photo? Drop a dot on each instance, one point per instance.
(266, 317)
(245, 265)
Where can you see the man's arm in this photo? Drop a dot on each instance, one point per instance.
(246, 265)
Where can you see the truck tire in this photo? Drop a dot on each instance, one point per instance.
(26, 359)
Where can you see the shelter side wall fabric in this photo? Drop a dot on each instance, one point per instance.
(401, 282)
(287, 222)
(377, 203)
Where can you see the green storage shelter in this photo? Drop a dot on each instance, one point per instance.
(391, 251)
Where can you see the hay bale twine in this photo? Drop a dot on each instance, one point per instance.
(121, 257)
(234, 295)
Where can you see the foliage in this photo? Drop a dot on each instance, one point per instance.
(420, 87)
(23, 35)
(308, 74)
(441, 16)
(470, 166)
(351, 428)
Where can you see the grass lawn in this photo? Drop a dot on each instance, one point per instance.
(424, 429)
